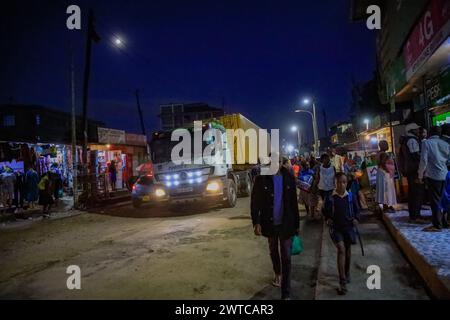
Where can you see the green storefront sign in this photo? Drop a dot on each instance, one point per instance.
(439, 120)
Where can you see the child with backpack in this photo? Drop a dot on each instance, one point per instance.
(342, 216)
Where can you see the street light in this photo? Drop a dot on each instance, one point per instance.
(299, 140)
(366, 122)
(118, 42)
(290, 148)
(306, 102)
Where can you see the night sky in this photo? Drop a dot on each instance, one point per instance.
(257, 57)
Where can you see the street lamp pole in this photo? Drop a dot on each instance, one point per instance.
(314, 124)
(316, 134)
(297, 129)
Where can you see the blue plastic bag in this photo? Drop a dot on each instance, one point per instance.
(296, 245)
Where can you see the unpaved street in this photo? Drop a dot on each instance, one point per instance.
(195, 253)
(144, 253)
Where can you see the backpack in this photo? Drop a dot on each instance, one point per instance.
(407, 165)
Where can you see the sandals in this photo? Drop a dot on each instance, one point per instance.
(276, 282)
(342, 290)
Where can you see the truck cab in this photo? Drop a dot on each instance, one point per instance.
(210, 182)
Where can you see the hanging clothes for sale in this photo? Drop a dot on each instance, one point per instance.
(8, 179)
(33, 157)
(25, 155)
(49, 150)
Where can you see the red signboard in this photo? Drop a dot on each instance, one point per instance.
(430, 31)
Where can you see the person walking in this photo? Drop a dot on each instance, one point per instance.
(306, 178)
(409, 159)
(274, 212)
(445, 201)
(325, 180)
(112, 170)
(337, 160)
(445, 130)
(45, 194)
(385, 187)
(433, 171)
(31, 187)
(296, 168)
(56, 180)
(314, 190)
(342, 216)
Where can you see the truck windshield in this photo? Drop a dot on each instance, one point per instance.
(161, 148)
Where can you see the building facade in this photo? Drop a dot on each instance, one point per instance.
(413, 57)
(38, 124)
(179, 115)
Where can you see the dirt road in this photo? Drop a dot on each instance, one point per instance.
(147, 253)
(153, 253)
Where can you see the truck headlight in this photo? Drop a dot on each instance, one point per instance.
(160, 192)
(213, 186)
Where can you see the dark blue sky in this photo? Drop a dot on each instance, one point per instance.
(261, 57)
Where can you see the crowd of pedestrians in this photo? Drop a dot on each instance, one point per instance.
(424, 161)
(330, 189)
(21, 190)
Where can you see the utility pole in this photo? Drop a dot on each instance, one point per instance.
(325, 122)
(140, 113)
(74, 135)
(316, 135)
(87, 71)
(141, 118)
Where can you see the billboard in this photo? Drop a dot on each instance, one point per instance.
(107, 135)
(427, 35)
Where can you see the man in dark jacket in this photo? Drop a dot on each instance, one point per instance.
(275, 215)
(409, 160)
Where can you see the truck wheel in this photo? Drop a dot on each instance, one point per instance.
(230, 202)
(247, 191)
(137, 203)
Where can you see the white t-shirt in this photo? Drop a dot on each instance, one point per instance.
(326, 181)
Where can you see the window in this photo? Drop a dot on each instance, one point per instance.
(38, 119)
(9, 121)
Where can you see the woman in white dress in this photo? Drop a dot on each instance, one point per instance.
(385, 187)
